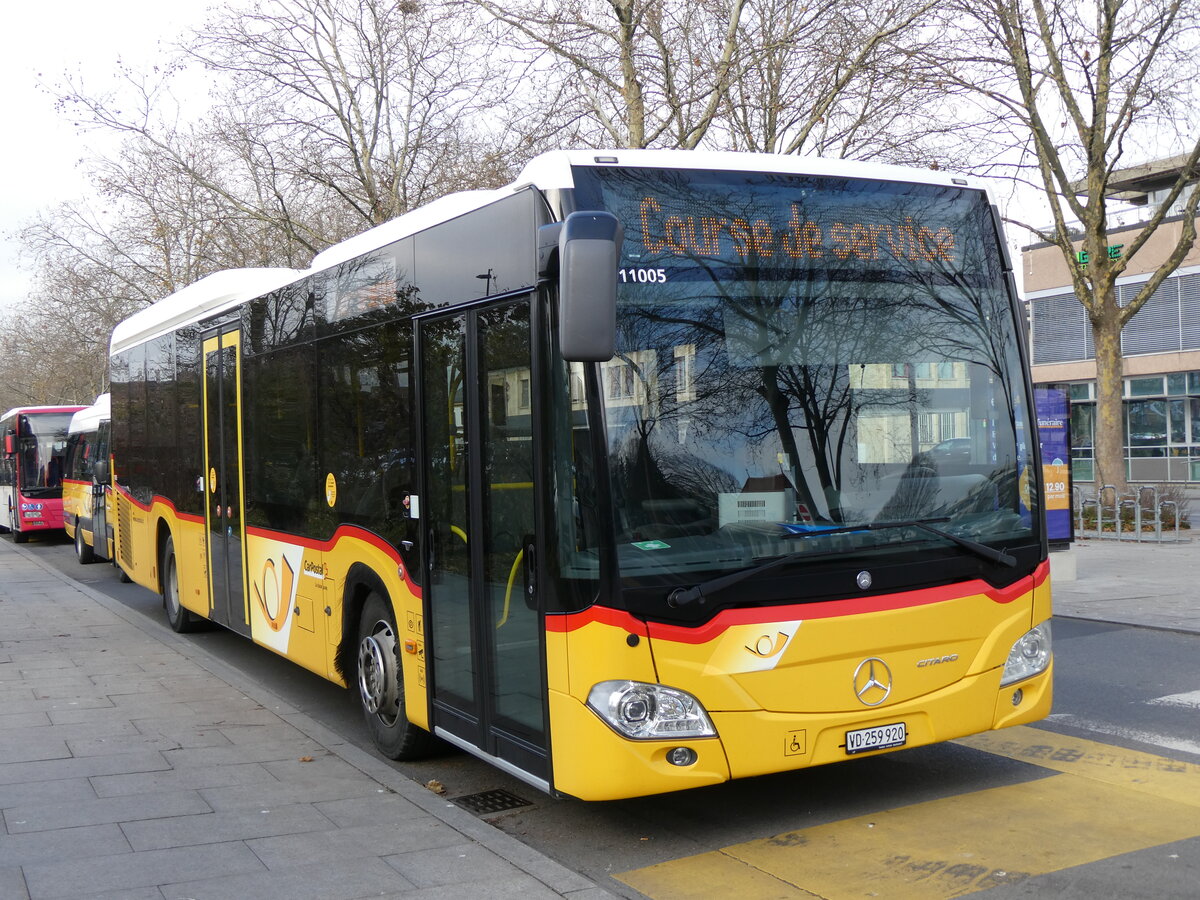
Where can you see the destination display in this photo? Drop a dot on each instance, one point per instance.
(682, 224)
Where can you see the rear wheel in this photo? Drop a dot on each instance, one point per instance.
(83, 550)
(381, 685)
(178, 618)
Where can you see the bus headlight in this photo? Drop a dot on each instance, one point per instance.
(649, 711)
(1029, 655)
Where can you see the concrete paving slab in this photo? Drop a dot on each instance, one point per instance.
(461, 864)
(12, 733)
(66, 790)
(174, 780)
(37, 747)
(344, 880)
(76, 878)
(280, 793)
(12, 883)
(230, 825)
(54, 770)
(49, 816)
(63, 843)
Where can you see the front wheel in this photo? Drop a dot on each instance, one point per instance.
(83, 550)
(19, 537)
(381, 685)
(178, 618)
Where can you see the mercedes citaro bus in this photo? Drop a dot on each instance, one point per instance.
(619, 477)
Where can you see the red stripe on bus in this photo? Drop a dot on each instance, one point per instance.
(827, 609)
(159, 498)
(343, 531)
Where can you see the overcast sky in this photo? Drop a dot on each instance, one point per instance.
(40, 152)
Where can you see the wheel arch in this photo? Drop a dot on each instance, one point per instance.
(361, 580)
(161, 534)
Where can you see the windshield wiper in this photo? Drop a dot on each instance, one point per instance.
(697, 593)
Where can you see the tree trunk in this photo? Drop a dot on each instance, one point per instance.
(1110, 404)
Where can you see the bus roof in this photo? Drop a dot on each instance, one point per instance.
(553, 170)
(441, 210)
(208, 296)
(89, 418)
(27, 410)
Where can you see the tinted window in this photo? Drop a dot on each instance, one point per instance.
(366, 428)
(488, 252)
(280, 440)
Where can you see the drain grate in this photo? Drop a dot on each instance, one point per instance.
(487, 802)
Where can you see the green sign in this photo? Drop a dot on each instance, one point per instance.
(1114, 252)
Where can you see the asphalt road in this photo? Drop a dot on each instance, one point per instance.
(1101, 800)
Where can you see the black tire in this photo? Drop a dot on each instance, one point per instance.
(83, 550)
(178, 618)
(18, 536)
(380, 681)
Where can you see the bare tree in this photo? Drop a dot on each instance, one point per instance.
(368, 99)
(1079, 91)
(39, 363)
(326, 116)
(837, 78)
(627, 73)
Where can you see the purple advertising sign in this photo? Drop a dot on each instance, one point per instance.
(1053, 406)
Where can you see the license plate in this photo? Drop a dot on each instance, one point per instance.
(881, 737)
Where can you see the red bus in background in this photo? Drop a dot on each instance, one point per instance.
(31, 468)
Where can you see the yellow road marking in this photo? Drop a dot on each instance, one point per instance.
(1111, 801)
(1155, 775)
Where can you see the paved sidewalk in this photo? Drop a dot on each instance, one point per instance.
(134, 765)
(1148, 583)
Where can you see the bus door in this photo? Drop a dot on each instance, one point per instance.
(100, 491)
(223, 478)
(485, 652)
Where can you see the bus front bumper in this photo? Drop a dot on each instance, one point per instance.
(593, 762)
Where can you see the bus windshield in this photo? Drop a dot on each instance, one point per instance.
(800, 354)
(40, 452)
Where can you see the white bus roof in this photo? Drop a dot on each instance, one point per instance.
(441, 210)
(90, 418)
(58, 407)
(208, 296)
(550, 171)
(553, 170)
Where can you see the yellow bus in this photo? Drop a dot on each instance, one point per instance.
(649, 471)
(87, 495)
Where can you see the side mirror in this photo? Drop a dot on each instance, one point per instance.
(10, 444)
(100, 472)
(589, 248)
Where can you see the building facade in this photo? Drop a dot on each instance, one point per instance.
(1161, 344)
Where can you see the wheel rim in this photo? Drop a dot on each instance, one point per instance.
(172, 589)
(378, 683)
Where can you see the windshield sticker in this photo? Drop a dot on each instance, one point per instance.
(652, 545)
